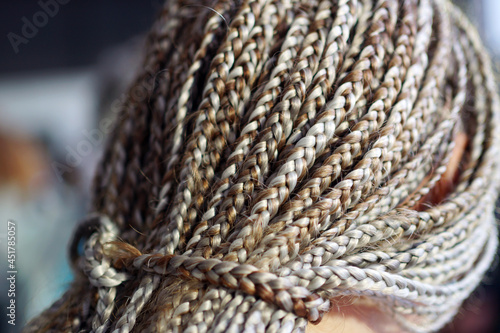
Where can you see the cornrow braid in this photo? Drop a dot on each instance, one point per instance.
(282, 154)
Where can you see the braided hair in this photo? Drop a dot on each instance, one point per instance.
(276, 154)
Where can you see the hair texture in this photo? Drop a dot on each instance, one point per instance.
(276, 154)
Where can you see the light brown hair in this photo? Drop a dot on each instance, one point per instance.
(283, 156)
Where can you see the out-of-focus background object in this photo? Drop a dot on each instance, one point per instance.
(64, 67)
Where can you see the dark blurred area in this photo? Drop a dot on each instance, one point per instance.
(64, 64)
(74, 34)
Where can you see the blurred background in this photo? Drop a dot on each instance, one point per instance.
(63, 65)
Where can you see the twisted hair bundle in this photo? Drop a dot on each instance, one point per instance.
(289, 153)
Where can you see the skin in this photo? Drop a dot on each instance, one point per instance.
(362, 315)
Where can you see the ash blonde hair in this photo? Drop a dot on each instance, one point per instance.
(285, 153)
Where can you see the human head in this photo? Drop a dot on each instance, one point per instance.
(282, 157)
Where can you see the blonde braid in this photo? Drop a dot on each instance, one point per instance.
(286, 153)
